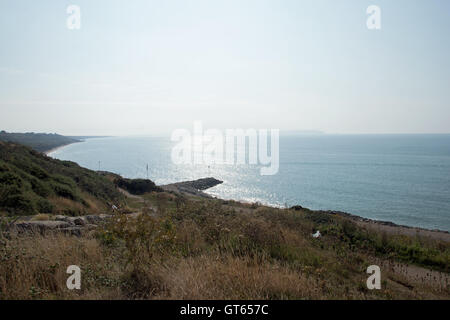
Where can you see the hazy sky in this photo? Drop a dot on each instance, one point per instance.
(144, 67)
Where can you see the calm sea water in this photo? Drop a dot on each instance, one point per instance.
(400, 178)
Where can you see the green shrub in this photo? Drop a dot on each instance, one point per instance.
(40, 188)
(38, 172)
(67, 181)
(18, 203)
(137, 186)
(11, 179)
(44, 206)
(145, 238)
(64, 191)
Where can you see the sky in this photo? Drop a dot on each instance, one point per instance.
(151, 66)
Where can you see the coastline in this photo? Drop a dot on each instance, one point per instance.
(393, 228)
(388, 227)
(47, 152)
(80, 139)
(189, 188)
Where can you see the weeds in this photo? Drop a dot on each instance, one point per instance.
(205, 249)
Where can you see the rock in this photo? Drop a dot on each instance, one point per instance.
(92, 219)
(73, 231)
(79, 222)
(297, 208)
(96, 219)
(44, 224)
(40, 226)
(203, 184)
(193, 187)
(67, 219)
(75, 226)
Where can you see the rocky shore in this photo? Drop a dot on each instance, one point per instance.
(195, 187)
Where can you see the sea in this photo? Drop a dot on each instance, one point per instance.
(404, 179)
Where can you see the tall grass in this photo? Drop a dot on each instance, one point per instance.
(208, 250)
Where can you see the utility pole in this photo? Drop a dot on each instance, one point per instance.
(147, 171)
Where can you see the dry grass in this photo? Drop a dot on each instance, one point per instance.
(228, 277)
(70, 207)
(66, 206)
(41, 217)
(36, 267)
(207, 250)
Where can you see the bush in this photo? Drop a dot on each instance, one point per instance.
(44, 206)
(64, 191)
(137, 186)
(40, 188)
(38, 172)
(145, 238)
(11, 179)
(18, 203)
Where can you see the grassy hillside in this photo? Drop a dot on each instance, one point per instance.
(194, 248)
(31, 183)
(38, 141)
(175, 245)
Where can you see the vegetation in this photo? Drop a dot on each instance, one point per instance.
(212, 249)
(417, 250)
(137, 186)
(38, 141)
(167, 245)
(32, 183)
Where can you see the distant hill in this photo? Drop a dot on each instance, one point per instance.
(87, 137)
(31, 183)
(40, 142)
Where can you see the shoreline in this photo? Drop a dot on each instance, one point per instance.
(81, 139)
(185, 187)
(388, 227)
(47, 152)
(391, 227)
